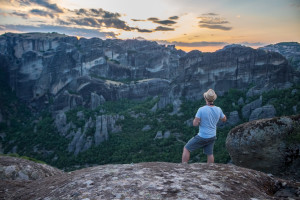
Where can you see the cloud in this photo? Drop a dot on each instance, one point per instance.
(162, 28)
(295, 3)
(46, 4)
(174, 17)
(140, 38)
(99, 18)
(220, 27)
(97, 13)
(162, 22)
(43, 3)
(60, 29)
(212, 20)
(20, 14)
(165, 22)
(213, 23)
(83, 19)
(138, 20)
(199, 44)
(98, 23)
(152, 19)
(143, 30)
(211, 14)
(41, 13)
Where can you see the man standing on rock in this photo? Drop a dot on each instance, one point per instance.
(206, 118)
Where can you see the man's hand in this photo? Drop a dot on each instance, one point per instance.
(196, 121)
(224, 119)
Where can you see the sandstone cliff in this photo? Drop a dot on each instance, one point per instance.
(154, 181)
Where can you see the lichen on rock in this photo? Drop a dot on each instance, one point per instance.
(263, 145)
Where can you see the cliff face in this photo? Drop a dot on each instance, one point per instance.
(153, 181)
(233, 67)
(44, 66)
(290, 50)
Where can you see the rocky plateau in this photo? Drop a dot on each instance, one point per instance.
(157, 180)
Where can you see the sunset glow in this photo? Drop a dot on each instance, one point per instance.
(192, 24)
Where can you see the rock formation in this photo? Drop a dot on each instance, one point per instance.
(290, 50)
(93, 131)
(12, 168)
(269, 145)
(247, 109)
(266, 111)
(232, 67)
(154, 181)
(45, 67)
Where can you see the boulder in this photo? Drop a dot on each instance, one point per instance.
(155, 180)
(12, 168)
(241, 101)
(247, 109)
(146, 128)
(268, 145)
(267, 111)
(295, 109)
(233, 118)
(158, 135)
(294, 91)
(189, 122)
(167, 134)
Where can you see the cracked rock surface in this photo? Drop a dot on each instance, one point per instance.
(155, 180)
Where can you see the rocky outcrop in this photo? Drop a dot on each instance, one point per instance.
(266, 111)
(290, 50)
(161, 135)
(93, 131)
(247, 109)
(153, 181)
(96, 100)
(232, 67)
(12, 168)
(233, 118)
(269, 145)
(104, 125)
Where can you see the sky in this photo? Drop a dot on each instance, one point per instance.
(190, 24)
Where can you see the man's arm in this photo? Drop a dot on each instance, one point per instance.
(196, 121)
(224, 119)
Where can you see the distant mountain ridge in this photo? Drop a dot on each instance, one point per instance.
(290, 50)
(72, 72)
